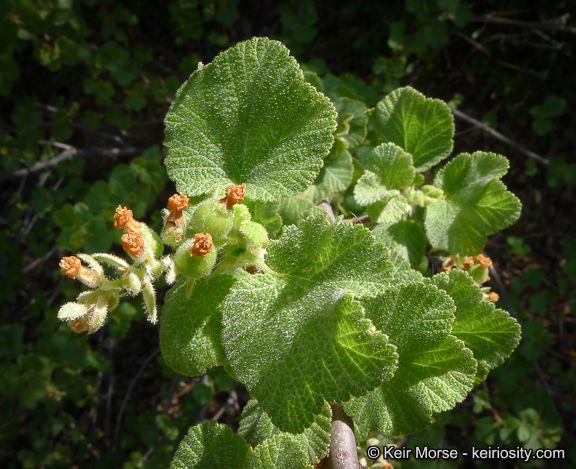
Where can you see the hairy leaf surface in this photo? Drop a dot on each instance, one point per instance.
(256, 426)
(490, 333)
(335, 176)
(392, 164)
(352, 121)
(191, 328)
(248, 117)
(435, 369)
(299, 338)
(423, 127)
(476, 203)
(212, 445)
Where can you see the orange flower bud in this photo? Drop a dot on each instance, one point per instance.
(70, 266)
(234, 194)
(484, 261)
(124, 220)
(202, 244)
(176, 204)
(493, 297)
(134, 245)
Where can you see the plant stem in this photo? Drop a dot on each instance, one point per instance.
(343, 453)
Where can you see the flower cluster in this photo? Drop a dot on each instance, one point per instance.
(478, 268)
(88, 313)
(218, 236)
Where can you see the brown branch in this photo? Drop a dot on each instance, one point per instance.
(558, 24)
(68, 154)
(343, 453)
(500, 137)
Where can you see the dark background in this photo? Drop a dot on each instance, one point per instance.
(84, 87)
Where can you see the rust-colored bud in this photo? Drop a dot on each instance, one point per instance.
(469, 262)
(70, 266)
(493, 297)
(178, 202)
(234, 194)
(124, 220)
(484, 261)
(134, 245)
(202, 244)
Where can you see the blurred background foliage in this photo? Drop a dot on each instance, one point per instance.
(84, 87)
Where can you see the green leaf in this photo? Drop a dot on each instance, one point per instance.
(296, 208)
(352, 121)
(423, 127)
(266, 213)
(256, 427)
(435, 370)
(490, 333)
(406, 237)
(392, 164)
(211, 445)
(369, 189)
(393, 208)
(335, 176)
(476, 204)
(279, 452)
(248, 117)
(299, 338)
(191, 327)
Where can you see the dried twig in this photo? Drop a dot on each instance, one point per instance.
(68, 154)
(499, 136)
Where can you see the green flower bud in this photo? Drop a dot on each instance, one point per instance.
(478, 273)
(195, 258)
(212, 216)
(255, 233)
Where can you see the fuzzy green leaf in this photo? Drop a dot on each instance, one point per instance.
(335, 176)
(393, 208)
(352, 121)
(490, 333)
(256, 427)
(266, 213)
(248, 117)
(295, 208)
(392, 164)
(435, 370)
(279, 452)
(369, 189)
(191, 328)
(299, 338)
(406, 237)
(423, 127)
(211, 445)
(475, 206)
